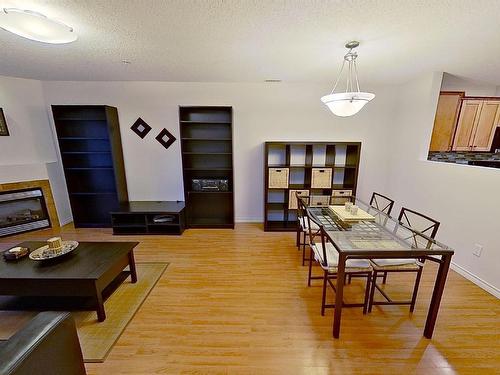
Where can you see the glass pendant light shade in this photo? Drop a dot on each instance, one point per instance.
(350, 102)
(345, 104)
(36, 26)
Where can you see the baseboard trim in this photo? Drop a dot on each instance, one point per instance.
(248, 220)
(476, 280)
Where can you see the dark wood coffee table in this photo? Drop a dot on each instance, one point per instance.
(85, 272)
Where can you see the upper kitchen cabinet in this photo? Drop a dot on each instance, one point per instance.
(476, 125)
(446, 120)
(469, 116)
(489, 119)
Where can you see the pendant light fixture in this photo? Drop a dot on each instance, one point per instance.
(350, 102)
(36, 26)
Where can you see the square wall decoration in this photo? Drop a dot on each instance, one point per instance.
(4, 131)
(141, 128)
(165, 138)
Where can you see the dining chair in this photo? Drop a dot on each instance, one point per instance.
(385, 205)
(303, 225)
(421, 224)
(324, 252)
(314, 200)
(382, 203)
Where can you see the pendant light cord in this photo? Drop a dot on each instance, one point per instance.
(350, 57)
(356, 75)
(348, 80)
(338, 77)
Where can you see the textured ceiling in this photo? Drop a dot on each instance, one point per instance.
(254, 40)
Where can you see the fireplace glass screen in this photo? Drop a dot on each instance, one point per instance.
(22, 211)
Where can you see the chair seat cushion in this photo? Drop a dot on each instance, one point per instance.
(393, 264)
(332, 257)
(305, 225)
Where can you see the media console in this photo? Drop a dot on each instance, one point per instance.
(149, 217)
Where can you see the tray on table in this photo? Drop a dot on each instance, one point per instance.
(345, 215)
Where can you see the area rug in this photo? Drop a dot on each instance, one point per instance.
(97, 339)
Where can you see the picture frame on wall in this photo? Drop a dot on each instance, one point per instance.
(4, 131)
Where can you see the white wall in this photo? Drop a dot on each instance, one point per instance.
(22, 172)
(470, 87)
(29, 152)
(29, 146)
(30, 141)
(464, 199)
(55, 175)
(262, 112)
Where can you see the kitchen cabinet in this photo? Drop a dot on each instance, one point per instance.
(469, 115)
(488, 121)
(445, 122)
(476, 125)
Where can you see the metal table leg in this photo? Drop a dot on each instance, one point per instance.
(339, 295)
(437, 293)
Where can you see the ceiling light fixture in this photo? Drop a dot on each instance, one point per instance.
(36, 26)
(350, 102)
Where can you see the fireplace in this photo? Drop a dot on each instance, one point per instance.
(22, 211)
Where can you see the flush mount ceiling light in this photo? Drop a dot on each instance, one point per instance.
(36, 26)
(351, 101)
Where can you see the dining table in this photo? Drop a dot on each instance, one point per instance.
(379, 236)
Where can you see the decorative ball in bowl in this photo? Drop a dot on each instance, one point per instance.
(55, 248)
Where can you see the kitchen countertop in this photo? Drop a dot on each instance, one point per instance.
(485, 163)
(483, 159)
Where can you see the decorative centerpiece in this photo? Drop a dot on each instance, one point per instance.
(55, 248)
(351, 213)
(55, 245)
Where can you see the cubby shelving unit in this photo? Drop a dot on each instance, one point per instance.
(207, 153)
(91, 152)
(316, 168)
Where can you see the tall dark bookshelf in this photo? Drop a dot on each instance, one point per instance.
(207, 153)
(91, 152)
(299, 163)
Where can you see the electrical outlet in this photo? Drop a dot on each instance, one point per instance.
(478, 249)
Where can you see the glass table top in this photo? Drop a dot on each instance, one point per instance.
(379, 233)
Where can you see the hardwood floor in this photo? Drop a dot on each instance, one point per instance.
(237, 302)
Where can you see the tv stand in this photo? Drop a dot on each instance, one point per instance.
(149, 217)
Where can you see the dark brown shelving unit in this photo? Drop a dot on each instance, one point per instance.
(207, 153)
(91, 152)
(300, 160)
(140, 217)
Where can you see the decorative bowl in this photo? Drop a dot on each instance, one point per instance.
(43, 253)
